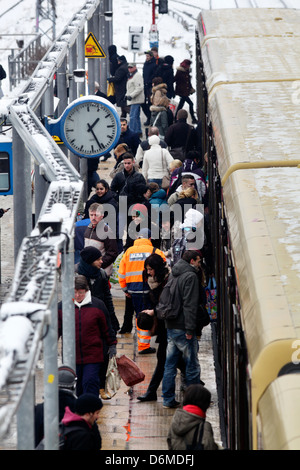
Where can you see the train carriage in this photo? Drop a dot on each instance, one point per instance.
(248, 81)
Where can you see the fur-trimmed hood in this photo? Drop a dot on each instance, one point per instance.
(158, 109)
(161, 86)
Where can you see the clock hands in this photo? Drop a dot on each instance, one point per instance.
(90, 129)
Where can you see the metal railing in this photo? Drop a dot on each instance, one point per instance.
(22, 65)
(31, 307)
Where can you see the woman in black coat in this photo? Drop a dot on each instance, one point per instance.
(166, 72)
(113, 59)
(103, 195)
(89, 266)
(184, 88)
(119, 79)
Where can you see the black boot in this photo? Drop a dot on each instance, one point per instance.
(148, 396)
(128, 315)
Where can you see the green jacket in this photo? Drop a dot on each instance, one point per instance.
(183, 428)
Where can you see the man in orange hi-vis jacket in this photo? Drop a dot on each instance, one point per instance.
(131, 280)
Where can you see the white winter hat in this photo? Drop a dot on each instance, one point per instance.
(193, 218)
(154, 140)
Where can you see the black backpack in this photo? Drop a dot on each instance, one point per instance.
(62, 436)
(170, 304)
(178, 248)
(197, 439)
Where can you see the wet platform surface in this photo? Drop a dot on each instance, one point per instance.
(128, 424)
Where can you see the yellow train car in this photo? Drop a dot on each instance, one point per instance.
(248, 71)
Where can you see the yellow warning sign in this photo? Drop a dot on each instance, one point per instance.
(57, 139)
(93, 48)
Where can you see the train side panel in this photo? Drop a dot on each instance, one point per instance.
(251, 75)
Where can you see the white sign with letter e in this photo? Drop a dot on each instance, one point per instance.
(135, 41)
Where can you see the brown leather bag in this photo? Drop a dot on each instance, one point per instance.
(129, 371)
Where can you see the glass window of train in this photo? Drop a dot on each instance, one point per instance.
(4, 172)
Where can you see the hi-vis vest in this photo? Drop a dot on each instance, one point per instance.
(132, 266)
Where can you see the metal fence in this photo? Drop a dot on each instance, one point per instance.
(22, 64)
(28, 318)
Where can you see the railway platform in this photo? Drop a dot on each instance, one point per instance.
(125, 422)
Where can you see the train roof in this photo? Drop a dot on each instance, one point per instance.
(253, 83)
(251, 60)
(251, 22)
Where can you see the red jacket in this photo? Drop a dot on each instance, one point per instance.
(91, 330)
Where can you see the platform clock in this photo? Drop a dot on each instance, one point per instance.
(89, 126)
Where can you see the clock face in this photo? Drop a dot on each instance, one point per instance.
(91, 127)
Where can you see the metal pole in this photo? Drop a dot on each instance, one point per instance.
(96, 28)
(153, 11)
(91, 62)
(72, 67)
(69, 354)
(51, 409)
(22, 199)
(81, 61)
(25, 418)
(82, 164)
(62, 93)
(110, 23)
(41, 186)
(103, 71)
(62, 87)
(73, 92)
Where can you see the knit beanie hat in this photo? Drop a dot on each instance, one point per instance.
(89, 254)
(169, 59)
(87, 403)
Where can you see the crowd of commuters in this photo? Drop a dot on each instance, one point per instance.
(151, 217)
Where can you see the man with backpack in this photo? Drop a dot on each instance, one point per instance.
(181, 331)
(79, 429)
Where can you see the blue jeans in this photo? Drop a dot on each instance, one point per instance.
(135, 120)
(155, 180)
(88, 380)
(177, 343)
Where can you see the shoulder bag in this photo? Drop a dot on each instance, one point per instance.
(129, 371)
(165, 184)
(113, 378)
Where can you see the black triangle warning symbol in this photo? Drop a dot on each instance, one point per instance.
(93, 48)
